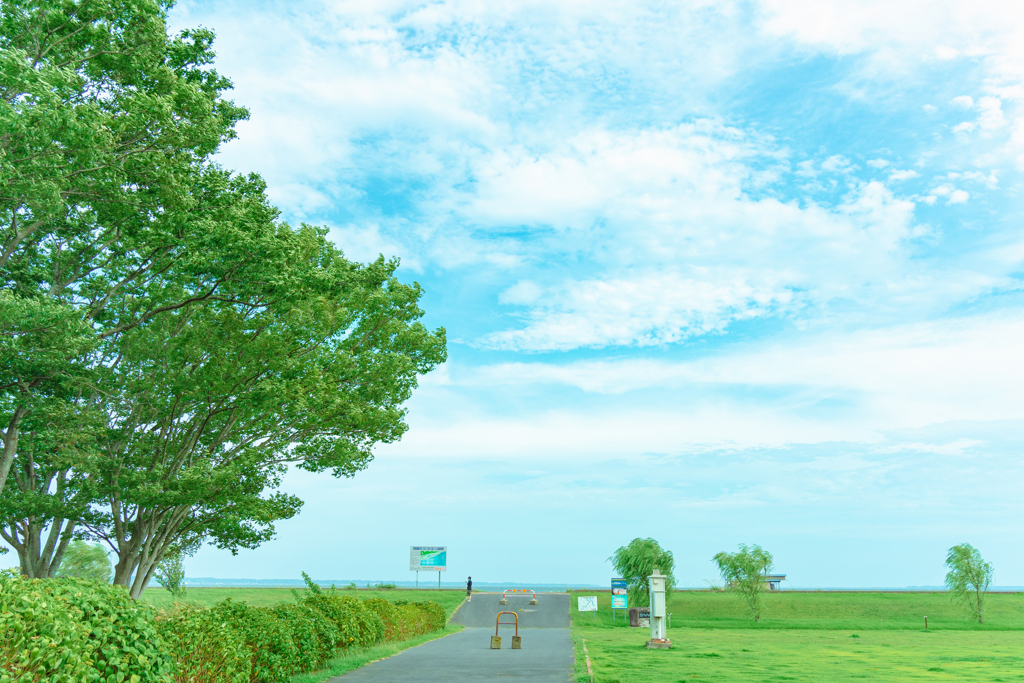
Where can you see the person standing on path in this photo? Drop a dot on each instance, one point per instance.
(469, 589)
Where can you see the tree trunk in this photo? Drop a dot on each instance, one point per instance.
(40, 560)
(10, 444)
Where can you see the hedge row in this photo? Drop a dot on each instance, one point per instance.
(72, 630)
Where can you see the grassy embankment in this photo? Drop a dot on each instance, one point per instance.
(265, 597)
(826, 637)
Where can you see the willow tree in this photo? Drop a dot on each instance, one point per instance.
(636, 563)
(969, 578)
(745, 572)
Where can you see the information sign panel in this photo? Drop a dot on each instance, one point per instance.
(428, 558)
(587, 603)
(618, 594)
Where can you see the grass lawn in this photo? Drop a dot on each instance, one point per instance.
(264, 597)
(809, 637)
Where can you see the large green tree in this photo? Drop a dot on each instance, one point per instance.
(154, 296)
(744, 572)
(107, 217)
(968, 578)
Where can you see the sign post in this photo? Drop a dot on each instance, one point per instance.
(619, 600)
(428, 558)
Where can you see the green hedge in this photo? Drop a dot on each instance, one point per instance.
(80, 631)
(58, 630)
(207, 648)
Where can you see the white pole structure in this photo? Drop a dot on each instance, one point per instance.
(656, 589)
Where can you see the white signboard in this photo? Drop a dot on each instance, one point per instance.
(587, 603)
(428, 558)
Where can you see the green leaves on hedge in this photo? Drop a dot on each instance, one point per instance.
(79, 631)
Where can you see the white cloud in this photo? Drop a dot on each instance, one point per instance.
(878, 163)
(903, 175)
(991, 116)
(964, 127)
(958, 197)
(652, 309)
(965, 101)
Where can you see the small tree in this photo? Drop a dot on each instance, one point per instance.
(86, 561)
(170, 573)
(968, 578)
(745, 572)
(636, 562)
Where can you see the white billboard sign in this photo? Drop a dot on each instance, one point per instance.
(428, 558)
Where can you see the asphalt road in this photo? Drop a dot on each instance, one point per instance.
(546, 656)
(552, 611)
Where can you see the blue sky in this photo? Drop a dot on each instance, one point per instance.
(712, 272)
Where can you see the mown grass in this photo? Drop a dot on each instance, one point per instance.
(266, 597)
(813, 637)
(825, 656)
(861, 611)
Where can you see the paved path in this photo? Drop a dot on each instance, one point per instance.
(552, 611)
(546, 656)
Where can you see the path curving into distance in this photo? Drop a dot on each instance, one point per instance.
(546, 656)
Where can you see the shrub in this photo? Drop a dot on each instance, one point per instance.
(420, 617)
(314, 635)
(205, 647)
(69, 629)
(360, 626)
(389, 616)
(272, 651)
(41, 640)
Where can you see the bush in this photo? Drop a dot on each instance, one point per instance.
(389, 616)
(272, 651)
(205, 647)
(420, 617)
(315, 636)
(41, 641)
(360, 626)
(69, 629)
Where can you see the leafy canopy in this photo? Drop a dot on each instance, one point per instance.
(744, 572)
(86, 561)
(637, 561)
(968, 578)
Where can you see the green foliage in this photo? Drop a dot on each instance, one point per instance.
(968, 578)
(206, 648)
(381, 586)
(272, 650)
(389, 616)
(359, 626)
(420, 617)
(315, 636)
(141, 281)
(77, 628)
(86, 561)
(637, 561)
(744, 572)
(171, 572)
(41, 640)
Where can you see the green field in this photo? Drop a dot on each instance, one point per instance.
(810, 637)
(264, 597)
